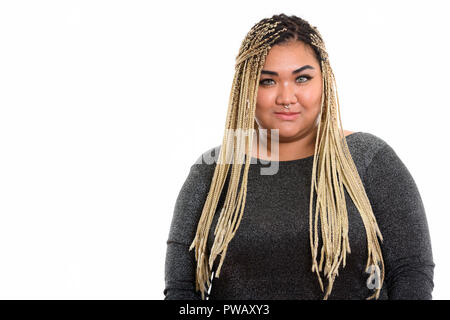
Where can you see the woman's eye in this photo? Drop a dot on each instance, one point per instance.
(305, 77)
(263, 82)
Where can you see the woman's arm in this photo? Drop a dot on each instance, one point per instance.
(180, 263)
(400, 214)
(180, 272)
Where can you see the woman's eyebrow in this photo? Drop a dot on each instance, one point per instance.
(293, 72)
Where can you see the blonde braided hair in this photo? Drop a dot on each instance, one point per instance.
(333, 166)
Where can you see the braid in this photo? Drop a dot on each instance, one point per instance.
(333, 167)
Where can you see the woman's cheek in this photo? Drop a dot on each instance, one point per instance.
(261, 117)
(260, 99)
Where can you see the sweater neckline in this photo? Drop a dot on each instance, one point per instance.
(283, 162)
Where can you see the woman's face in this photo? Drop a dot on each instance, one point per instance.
(279, 86)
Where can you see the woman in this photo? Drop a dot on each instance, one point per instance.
(334, 202)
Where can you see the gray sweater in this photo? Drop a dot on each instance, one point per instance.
(270, 257)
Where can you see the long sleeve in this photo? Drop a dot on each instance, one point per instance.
(400, 214)
(180, 263)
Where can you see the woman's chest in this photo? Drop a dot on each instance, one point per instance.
(275, 226)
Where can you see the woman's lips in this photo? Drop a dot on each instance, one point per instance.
(287, 115)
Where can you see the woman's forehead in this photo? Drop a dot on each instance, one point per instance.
(290, 57)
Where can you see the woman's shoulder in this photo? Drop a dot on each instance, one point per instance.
(209, 157)
(364, 146)
(368, 140)
(200, 175)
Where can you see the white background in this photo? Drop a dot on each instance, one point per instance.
(105, 105)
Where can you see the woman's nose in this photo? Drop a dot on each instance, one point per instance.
(286, 94)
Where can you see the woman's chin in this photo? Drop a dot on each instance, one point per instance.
(287, 133)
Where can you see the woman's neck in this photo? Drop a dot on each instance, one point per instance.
(266, 148)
